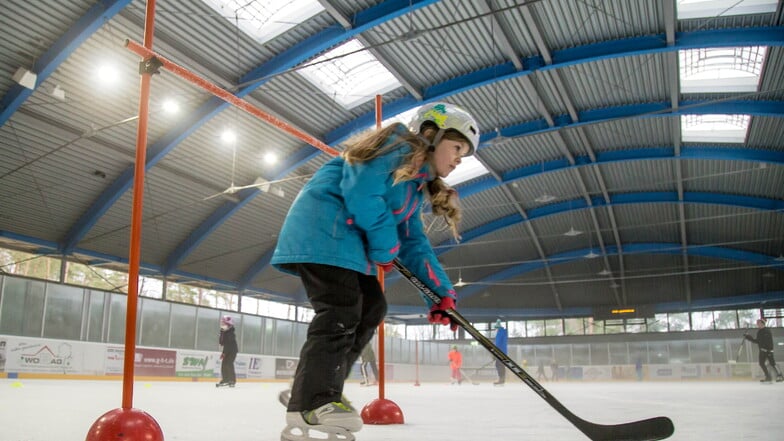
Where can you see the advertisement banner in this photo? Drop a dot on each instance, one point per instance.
(285, 367)
(43, 356)
(149, 362)
(255, 365)
(114, 360)
(195, 364)
(154, 362)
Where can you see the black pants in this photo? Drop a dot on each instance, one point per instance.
(364, 369)
(227, 368)
(501, 369)
(765, 355)
(348, 307)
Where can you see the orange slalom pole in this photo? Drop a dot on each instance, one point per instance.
(230, 98)
(381, 356)
(136, 218)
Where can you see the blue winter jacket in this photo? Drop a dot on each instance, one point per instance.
(353, 217)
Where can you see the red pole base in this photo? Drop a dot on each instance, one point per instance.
(382, 411)
(125, 424)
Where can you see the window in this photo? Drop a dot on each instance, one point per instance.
(714, 128)
(265, 20)
(349, 75)
(679, 321)
(719, 70)
(688, 9)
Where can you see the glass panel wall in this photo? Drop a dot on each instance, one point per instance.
(63, 315)
(21, 311)
(95, 315)
(183, 326)
(154, 330)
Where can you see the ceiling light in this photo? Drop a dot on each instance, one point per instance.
(605, 272)
(591, 255)
(780, 258)
(25, 78)
(543, 199)
(228, 136)
(270, 158)
(572, 232)
(108, 74)
(614, 285)
(460, 283)
(170, 106)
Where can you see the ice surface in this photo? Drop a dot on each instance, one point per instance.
(64, 410)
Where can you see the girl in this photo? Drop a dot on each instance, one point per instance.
(359, 211)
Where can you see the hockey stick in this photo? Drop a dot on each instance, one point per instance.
(463, 373)
(643, 430)
(740, 348)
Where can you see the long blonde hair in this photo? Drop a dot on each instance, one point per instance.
(373, 143)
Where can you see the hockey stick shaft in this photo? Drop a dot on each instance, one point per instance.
(644, 430)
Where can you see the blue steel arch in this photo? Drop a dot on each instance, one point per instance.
(488, 314)
(692, 152)
(629, 47)
(704, 152)
(317, 43)
(300, 52)
(740, 201)
(631, 248)
(46, 64)
(752, 202)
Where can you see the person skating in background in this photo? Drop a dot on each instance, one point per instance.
(368, 358)
(455, 363)
(540, 374)
(228, 342)
(501, 339)
(765, 342)
(360, 211)
(638, 367)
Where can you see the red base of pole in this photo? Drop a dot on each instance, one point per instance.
(382, 411)
(125, 424)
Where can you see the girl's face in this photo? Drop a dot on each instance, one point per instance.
(448, 155)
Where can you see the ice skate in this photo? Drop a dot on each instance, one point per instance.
(285, 396)
(335, 421)
(779, 379)
(224, 384)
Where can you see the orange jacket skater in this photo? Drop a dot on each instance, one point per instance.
(455, 363)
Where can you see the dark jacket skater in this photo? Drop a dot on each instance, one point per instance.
(228, 340)
(765, 342)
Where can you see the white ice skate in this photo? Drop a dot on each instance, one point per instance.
(285, 396)
(332, 421)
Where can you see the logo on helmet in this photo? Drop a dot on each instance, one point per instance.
(437, 114)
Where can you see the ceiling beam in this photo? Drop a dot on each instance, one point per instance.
(44, 65)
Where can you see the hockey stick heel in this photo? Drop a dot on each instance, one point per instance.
(651, 429)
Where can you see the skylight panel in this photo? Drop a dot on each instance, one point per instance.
(712, 8)
(266, 19)
(352, 75)
(714, 128)
(717, 70)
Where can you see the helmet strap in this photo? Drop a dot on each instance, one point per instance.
(432, 145)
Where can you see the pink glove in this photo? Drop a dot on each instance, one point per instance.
(438, 313)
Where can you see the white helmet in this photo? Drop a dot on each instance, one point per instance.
(448, 116)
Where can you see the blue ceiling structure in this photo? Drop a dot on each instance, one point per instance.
(304, 49)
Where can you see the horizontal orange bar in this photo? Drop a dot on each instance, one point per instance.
(229, 97)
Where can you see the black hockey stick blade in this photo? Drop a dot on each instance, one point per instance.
(651, 429)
